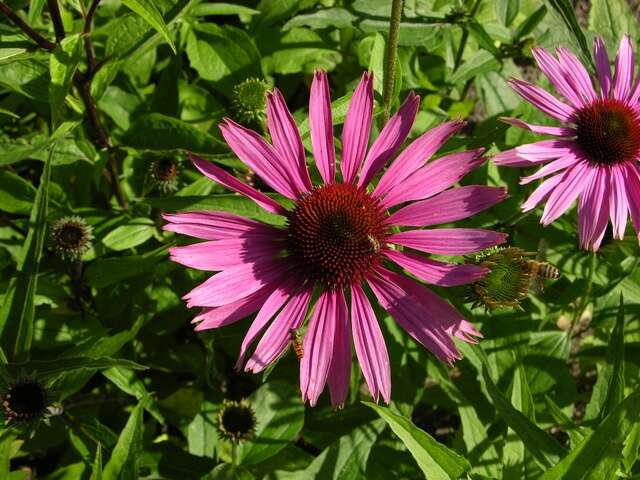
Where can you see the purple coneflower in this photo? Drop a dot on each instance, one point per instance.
(594, 157)
(339, 240)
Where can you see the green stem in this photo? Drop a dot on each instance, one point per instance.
(584, 300)
(464, 38)
(392, 51)
(234, 453)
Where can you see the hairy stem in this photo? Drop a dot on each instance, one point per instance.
(392, 51)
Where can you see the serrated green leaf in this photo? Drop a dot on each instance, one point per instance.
(435, 460)
(147, 10)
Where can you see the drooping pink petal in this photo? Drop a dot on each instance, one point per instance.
(448, 206)
(554, 72)
(217, 225)
(593, 210)
(412, 316)
(624, 70)
(314, 366)
(434, 177)
(217, 174)
(415, 155)
(370, 347)
(573, 182)
(546, 150)
(271, 306)
(541, 129)
(448, 241)
(392, 136)
(541, 193)
(552, 167)
(235, 283)
(542, 100)
(232, 312)
(633, 195)
(577, 75)
(618, 206)
(260, 157)
(223, 254)
(286, 140)
(435, 272)
(277, 337)
(357, 128)
(321, 127)
(340, 368)
(511, 158)
(602, 66)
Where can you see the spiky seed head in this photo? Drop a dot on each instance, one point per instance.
(249, 101)
(237, 421)
(71, 237)
(164, 173)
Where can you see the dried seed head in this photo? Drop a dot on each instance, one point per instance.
(71, 237)
(164, 172)
(237, 421)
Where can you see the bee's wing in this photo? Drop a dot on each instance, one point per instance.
(543, 246)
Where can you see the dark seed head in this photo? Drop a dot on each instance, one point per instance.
(25, 401)
(165, 172)
(237, 421)
(71, 237)
(336, 234)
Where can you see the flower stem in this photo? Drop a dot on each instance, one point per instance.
(392, 50)
(584, 300)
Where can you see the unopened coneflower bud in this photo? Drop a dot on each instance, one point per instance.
(513, 272)
(25, 401)
(248, 101)
(71, 237)
(164, 172)
(237, 421)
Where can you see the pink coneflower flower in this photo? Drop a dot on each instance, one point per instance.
(594, 157)
(339, 240)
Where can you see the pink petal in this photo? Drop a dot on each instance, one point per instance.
(593, 210)
(511, 158)
(415, 155)
(543, 100)
(551, 167)
(448, 241)
(577, 75)
(546, 150)
(270, 307)
(318, 347)
(357, 128)
(370, 347)
(448, 206)
(541, 193)
(541, 129)
(232, 312)
(434, 272)
(277, 337)
(217, 225)
(633, 195)
(286, 140)
(223, 254)
(412, 316)
(624, 69)
(235, 283)
(392, 136)
(434, 177)
(217, 174)
(554, 72)
(340, 368)
(602, 66)
(260, 157)
(618, 205)
(573, 182)
(321, 126)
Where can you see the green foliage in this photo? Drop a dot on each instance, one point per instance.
(551, 391)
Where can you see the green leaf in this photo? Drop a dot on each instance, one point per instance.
(18, 310)
(159, 132)
(481, 62)
(227, 471)
(612, 19)
(480, 35)
(630, 450)
(615, 358)
(598, 457)
(279, 416)
(133, 233)
(147, 10)
(507, 10)
(108, 271)
(62, 66)
(206, 9)
(7, 437)
(434, 459)
(576, 433)
(376, 62)
(43, 369)
(544, 448)
(530, 23)
(96, 471)
(326, 18)
(124, 460)
(127, 381)
(202, 432)
(568, 15)
(16, 194)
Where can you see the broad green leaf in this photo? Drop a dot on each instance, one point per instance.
(16, 194)
(13, 152)
(631, 449)
(127, 381)
(62, 66)
(598, 456)
(273, 10)
(507, 10)
(612, 19)
(7, 436)
(18, 310)
(202, 432)
(125, 457)
(566, 11)
(279, 416)
(530, 23)
(28, 77)
(434, 459)
(205, 9)
(108, 271)
(35, 10)
(544, 448)
(135, 232)
(327, 18)
(615, 358)
(159, 132)
(480, 62)
(227, 471)
(480, 35)
(376, 62)
(148, 10)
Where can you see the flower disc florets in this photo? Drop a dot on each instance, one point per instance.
(164, 172)
(71, 237)
(335, 235)
(25, 401)
(237, 421)
(249, 100)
